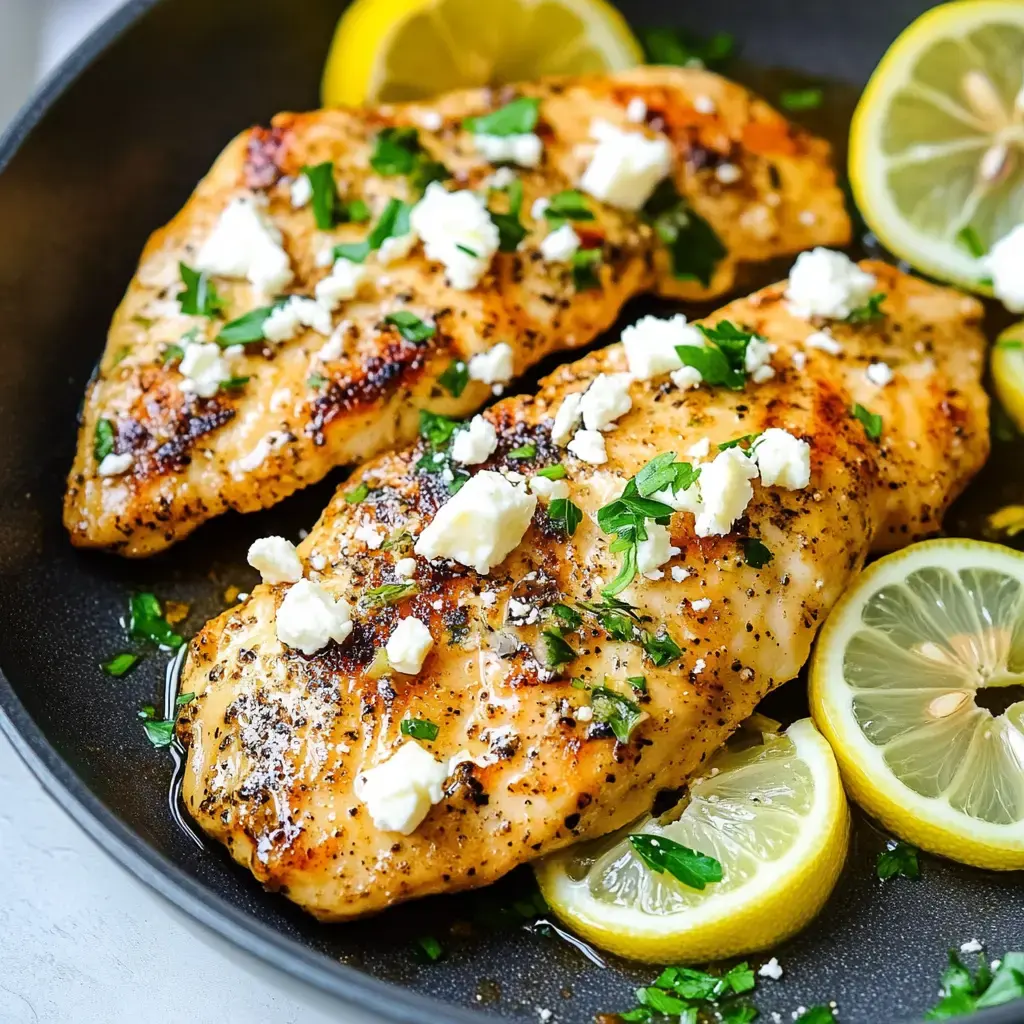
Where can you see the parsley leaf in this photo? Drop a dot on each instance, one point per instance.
(556, 651)
(661, 648)
(871, 422)
(437, 429)
(392, 223)
(721, 362)
(801, 99)
(969, 238)
(103, 439)
(396, 151)
(246, 329)
(510, 230)
(571, 617)
(661, 854)
(898, 858)
(565, 515)
(555, 472)
(159, 731)
(427, 949)
(516, 118)
(419, 729)
(737, 442)
(816, 1015)
(121, 664)
(693, 246)
(755, 554)
(455, 378)
(687, 49)
(618, 712)
(569, 204)
(526, 451)
(316, 381)
(325, 200)
(663, 471)
(358, 493)
(871, 310)
(410, 326)
(146, 622)
(388, 593)
(199, 298)
(639, 683)
(626, 517)
(585, 263)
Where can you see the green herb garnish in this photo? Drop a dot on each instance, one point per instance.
(555, 472)
(686, 49)
(389, 593)
(184, 698)
(233, 383)
(816, 1015)
(437, 429)
(585, 263)
(199, 298)
(410, 326)
(556, 651)
(722, 362)
(526, 451)
(626, 517)
(246, 329)
(871, 310)
(688, 866)
(516, 118)
(419, 729)
(146, 622)
(693, 246)
(801, 99)
(121, 664)
(738, 442)
(455, 378)
(392, 223)
(871, 422)
(661, 648)
(427, 949)
(755, 554)
(569, 204)
(510, 229)
(103, 439)
(571, 617)
(898, 858)
(619, 713)
(325, 200)
(664, 472)
(159, 731)
(565, 515)
(358, 493)
(316, 381)
(970, 240)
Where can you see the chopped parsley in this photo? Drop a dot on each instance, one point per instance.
(159, 731)
(569, 204)
(565, 515)
(688, 866)
(557, 651)
(246, 329)
(526, 451)
(626, 517)
(664, 472)
(510, 229)
(392, 223)
(755, 554)
(516, 118)
(184, 698)
(619, 713)
(466, 249)
(419, 729)
(816, 1015)
(744, 441)
(438, 430)
(696, 995)
(871, 422)
(964, 992)
(121, 664)
(358, 493)
(103, 439)
(619, 619)
(427, 949)
(693, 246)
(397, 151)
(410, 326)
(146, 622)
(639, 683)
(325, 201)
(687, 49)
(585, 263)
(233, 383)
(316, 381)
(571, 617)
(871, 310)
(555, 472)
(661, 648)
(389, 593)
(970, 240)
(721, 362)
(199, 297)
(898, 858)
(801, 99)
(455, 378)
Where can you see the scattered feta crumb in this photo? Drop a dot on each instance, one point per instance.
(521, 612)
(204, 367)
(525, 150)
(369, 535)
(331, 350)
(395, 248)
(704, 105)
(115, 464)
(589, 446)
(700, 664)
(650, 344)
(450, 223)
(757, 360)
(408, 646)
(686, 377)
(700, 450)
(286, 320)
(1005, 265)
(276, 560)
(636, 111)
(772, 969)
(823, 341)
(782, 459)
(879, 374)
(567, 418)
(431, 120)
(548, 490)
(341, 284)
(656, 550)
(807, 218)
(679, 573)
(626, 166)
(972, 946)
(799, 360)
(495, 366)
(309, 617)
(584, 713)
(606, 400)
(725, 491)
(405, 568)
(827, 283)
(539, 205)
(475, 443)
(701, 605)
(317, 561)
(480, 524)
(561, 245)
(728, 174)
(400, 791)
(301, 191)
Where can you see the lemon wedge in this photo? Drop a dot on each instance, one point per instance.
(937, 141)
(394, 50)
(1007, 364)
(772, 814)
(908, 682)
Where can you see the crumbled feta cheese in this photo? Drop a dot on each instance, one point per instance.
(309, 617)
(679, 573)
(782, 459)
(395, 248)
(245, 243)
(525, 150)
(827, 283)
(276, 559)
(701, 605)
(548, 490)
(636, 111)
(272, 441)
(725, 491)
(475, 443)
(317, 561)
(405, 568)
(501, 178)
(495, 366)
(704, 105)
(400, 791)
(772, 969)
(686, 377)
(204, 367)
(700, 664)
(431, 120)
(369, 535)
(656, 550)
(450, 223)
(589, 446)
(799, 360)
(408, 646)
(561, 245)
(606, 400)
(626, 166)
(567, 418)
(584, 713)
(488, 598)
(522, 612)
(807, 217)
(331, 349)
(301, 191)
(700, 450)
(115, 464)
(1005, 265)
(824, 342)
(480, 524)
(728, 174)
(879, 374)
(757, 360)
(286, 320)
(341, 284)
(972, 946)
(540, 204)
(650, 344)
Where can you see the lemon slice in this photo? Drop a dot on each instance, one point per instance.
(775, 817)
(937, 141)
(1008, 372)
(903, 683)
(394, 50)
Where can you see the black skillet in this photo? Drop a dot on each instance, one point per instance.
(108, 150)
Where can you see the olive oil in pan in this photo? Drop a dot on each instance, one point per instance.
(175, 803)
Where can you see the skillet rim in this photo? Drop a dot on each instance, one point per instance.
(202, 903)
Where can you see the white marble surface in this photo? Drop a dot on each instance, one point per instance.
(80, 940)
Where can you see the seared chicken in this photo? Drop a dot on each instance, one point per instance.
(550, 711)
(173, 434)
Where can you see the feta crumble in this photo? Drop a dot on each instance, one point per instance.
(400, 791)
(395, 248)
(204, 367)
(589, 446)
(309, 617)
(287, 319)
(276, 560)
(636, 111)
(686, 377)
(879, 374)
(626, 166)
(606, 400)
(782, 459)
(772, 969)
(1005, 265)
(405, 568)
(567, 418)
(549, 490)
(475, 443)
(700, 450)
(650, 344)
(408, 646)
(701, 605)
(561, 245)
(757, 360)
(495, 366)
(481, 524)
(431, 120)
(827, 283)
(340, 285)
(725, 491)
(115, 464)
(301, 191)
(447, 221)
(369, 535)
(728, 174)
(972, 946)
(525, 150)
(245, 243)
(704, 105)
(824, 342)
(678, 573)
(656, 550)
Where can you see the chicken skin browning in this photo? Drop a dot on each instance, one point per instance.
(535, 754)
(188, 437)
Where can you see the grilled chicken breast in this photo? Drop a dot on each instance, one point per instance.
(552, 713)
(753, 186)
